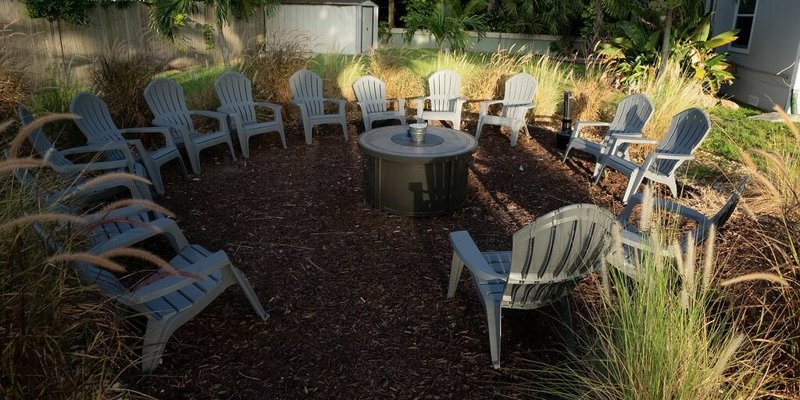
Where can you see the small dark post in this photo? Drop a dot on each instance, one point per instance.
(562, 137)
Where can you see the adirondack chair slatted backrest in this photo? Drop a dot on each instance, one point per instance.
(166, 100)
(519, 89)
(235, 92)
(686, 131)
(307, 87)
(95, 121)
(550, 254)
(444, 87)
(370, 88)
(632, 114)
(105, 280)
(41, 144)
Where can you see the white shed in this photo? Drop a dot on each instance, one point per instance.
(330, 26)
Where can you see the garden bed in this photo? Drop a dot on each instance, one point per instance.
(357, 296)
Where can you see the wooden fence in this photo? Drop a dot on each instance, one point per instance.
(39, 42)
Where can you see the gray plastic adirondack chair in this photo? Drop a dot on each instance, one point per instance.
(517, 100)
(547, 259)
(633, 113)
(172, 300)
(634, 241)
(166, 100)
(687, 130)
(57, 159)
(98, 127)
(445, 99)
(371, 94)
(235, 93)
(307, 95)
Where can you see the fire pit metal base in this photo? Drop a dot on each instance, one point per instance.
(424, 179)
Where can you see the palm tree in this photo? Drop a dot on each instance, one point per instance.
(168, 16)
(448, 21)
(543, 16)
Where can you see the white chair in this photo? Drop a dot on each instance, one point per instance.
(687, 130)
(371, 94)
(633, 113)
(445, 99)
(547, 259)
(307, 95)
(517, 100)
(236, 96)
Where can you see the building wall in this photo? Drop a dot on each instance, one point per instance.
(324, 28)
(764, 74)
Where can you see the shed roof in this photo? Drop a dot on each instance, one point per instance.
(331, 2)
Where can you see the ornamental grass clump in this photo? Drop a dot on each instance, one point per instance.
(661, 335)
(119, 77)
(60, 338)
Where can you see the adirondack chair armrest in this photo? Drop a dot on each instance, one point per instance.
(117, 213)
(221, 118)
(276, 108)
(171, 283)
(340, 104)
(620, 139)
(669, 156)
(110, 166)
(422, 99)
(662, 205)
(466, 250)
(484, 106)
(576, 129)
(153, 129)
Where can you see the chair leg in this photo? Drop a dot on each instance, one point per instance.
(247, 288)
(158, 182)
(154, 345)
(344, 131)
(635, 180)
(457, 124)
(307, 131)
(455, 274)
(566, 152)
(283, 136)
(493, 318)
(565, 314)
(194, 157)
(673, 186)
(183, 166)
(480, 127)
(514, 134)
(230, 146)
(244, 143)
(598, 172)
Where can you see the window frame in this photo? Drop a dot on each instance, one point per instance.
(736, 15)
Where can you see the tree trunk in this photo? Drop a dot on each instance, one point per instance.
(391, 13)
(667, 39)
(597, 28)
(61, 42)
(223, 46)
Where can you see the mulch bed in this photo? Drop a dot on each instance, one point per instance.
(357, 296)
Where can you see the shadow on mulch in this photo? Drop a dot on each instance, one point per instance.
(357, 296)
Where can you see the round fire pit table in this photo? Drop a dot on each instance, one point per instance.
(416, 179)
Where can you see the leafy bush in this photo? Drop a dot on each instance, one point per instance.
(448, 21)
(120, 77)
(637, 52)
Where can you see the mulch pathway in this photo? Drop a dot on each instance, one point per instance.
(357, 296)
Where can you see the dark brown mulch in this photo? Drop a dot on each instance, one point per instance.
(357, 296)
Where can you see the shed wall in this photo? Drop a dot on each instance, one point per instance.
(324, 28)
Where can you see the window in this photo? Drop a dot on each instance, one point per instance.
(743, 21)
